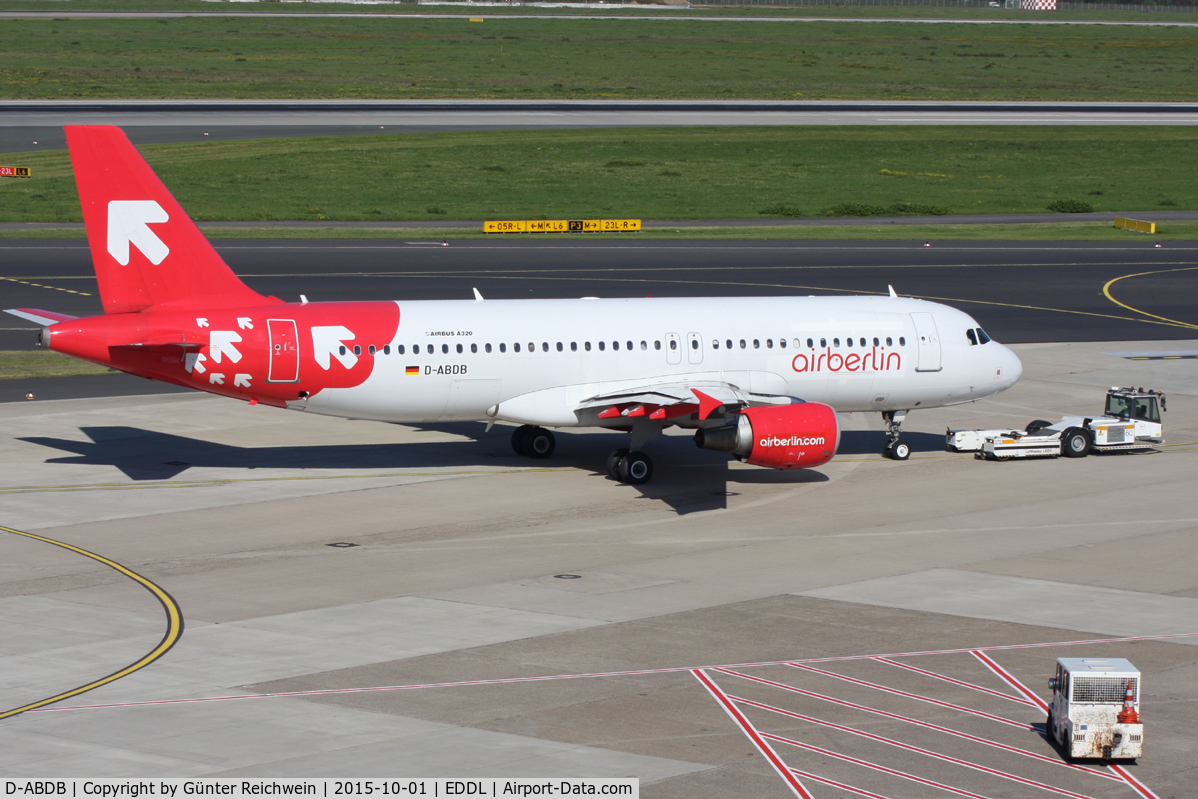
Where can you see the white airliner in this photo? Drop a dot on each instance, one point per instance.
(760, 378)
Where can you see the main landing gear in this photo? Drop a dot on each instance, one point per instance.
(633, 468)
(896, 448)
(533, 442)
(630, 467)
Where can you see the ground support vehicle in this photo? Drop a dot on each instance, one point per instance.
(1131, 421)
(1095, 709)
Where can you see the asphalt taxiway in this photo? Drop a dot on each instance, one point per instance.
(347, 598)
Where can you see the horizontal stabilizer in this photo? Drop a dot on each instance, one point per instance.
(40, 317)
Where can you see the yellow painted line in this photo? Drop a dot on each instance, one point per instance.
(216, 482)
(40, 286)
(174, 625)
(1106, 289)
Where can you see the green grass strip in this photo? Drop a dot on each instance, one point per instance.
(21, 364)
(649, 173)
(521, 58)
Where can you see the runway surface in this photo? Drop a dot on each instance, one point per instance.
(159, 121)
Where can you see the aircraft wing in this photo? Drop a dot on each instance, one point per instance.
(667, 400)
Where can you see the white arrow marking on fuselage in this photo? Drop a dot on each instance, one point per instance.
(241, 381)
(245, 323)
(195, 360)
(220, 344)
(328, 341)
(201, 321)
(128, 223)
(216, 378)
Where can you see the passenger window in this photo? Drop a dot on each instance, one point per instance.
(889, 342)
(544, 346)
(729, 343)
(532, 346)
(573, 346)
(399, 348)
(474, 348)
(516, 347)
(371, 349)
(629, 343)
(459, 349)
(742, 343)
(823, 342)
(656, 345)
(445, 349)
(848, 342)
(487, 347)
(902, 341)
(615, 345)
(503, 347)
(875, 341)
(715, 344)
(559, 346)
(644, 345)
(673, 344)
(835, 342)
(782, 343)
(386, 349)
(587, 346)
(341, 349)
(769, 343)
(602, 346)
(973, 339)
(862, 341)
(357, 349)
(810, 343)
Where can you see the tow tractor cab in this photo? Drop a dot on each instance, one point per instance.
(1138, 406)
(1095, 710)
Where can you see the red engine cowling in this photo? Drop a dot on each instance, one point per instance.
(778, 436)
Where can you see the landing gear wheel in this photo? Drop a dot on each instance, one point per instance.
(1075, 443)
(519, 437)
(539, 443)
(635, 469)
(899, 450)
(613, 462)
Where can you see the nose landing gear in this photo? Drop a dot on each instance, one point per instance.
(896, 448)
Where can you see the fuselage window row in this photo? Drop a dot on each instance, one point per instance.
(976, 336)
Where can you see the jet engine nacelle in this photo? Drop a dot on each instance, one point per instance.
(778, 436)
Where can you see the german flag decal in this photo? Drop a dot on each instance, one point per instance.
(412, 370)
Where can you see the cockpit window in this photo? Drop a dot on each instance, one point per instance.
(982, 337)
(972, 336)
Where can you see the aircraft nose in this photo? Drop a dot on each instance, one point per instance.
(1012, 368)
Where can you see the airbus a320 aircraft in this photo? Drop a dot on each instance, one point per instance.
(732, 369)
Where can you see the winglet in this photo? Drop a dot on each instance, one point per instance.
(707, 404)
(478, 296)
(892, 294)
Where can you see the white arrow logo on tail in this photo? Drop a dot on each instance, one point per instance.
(244, 322)
(195, 360)
(328, 341)
(241, 381)
(220, 344)
(216, 378)
(128, 223)
(201, 321)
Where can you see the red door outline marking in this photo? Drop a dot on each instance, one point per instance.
(284, 351)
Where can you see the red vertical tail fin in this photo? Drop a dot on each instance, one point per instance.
(145, 248)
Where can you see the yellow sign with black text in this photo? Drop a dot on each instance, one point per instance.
(563, 226)
(14, 171)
